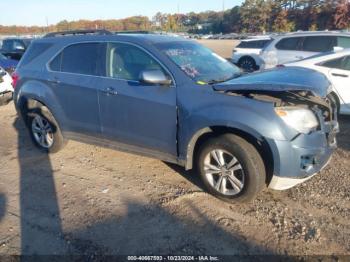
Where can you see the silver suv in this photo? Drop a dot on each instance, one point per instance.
(300, 45)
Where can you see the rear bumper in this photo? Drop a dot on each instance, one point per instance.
(302, 158)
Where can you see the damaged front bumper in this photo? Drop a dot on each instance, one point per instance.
(299, 160)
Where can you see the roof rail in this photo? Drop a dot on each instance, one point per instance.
(78, 32)
(134, 32)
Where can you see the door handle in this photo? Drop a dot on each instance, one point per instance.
(55, 81)
(110, 91)
(339, 75)
(299, 57)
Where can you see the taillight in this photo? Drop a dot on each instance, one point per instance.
(15, 78)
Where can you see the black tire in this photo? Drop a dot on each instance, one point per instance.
(334, 100)
(248, 64)
(252, 167)
(58, 140)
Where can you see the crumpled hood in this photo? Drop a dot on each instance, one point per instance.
(280, 79)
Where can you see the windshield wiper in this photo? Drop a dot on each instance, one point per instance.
(218, 81)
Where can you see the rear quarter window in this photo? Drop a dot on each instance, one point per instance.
(34, 51)
(343, 41)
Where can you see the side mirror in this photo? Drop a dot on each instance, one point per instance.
(154, 77)
(338, 49)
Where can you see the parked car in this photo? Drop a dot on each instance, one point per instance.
(300, 45)
(6, 88)
(336, 66)
(246, 54)
(8, 64)
(14, 48)
(175, 100)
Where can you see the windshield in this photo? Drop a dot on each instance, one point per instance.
(199, 62)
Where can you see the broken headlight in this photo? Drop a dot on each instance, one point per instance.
(301, 119)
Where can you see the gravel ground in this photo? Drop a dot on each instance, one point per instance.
(89, 200)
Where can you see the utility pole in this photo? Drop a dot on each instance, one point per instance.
(47, 24)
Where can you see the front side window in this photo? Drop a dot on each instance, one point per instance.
(291, 43)
(82, 59)
(199, 62)
(127, 62)
(318, 43)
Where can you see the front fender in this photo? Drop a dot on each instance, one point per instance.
(255, 118)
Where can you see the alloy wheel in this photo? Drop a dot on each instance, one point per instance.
(224, 172)
(42, 132)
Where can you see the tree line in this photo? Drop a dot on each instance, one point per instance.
(253, 16)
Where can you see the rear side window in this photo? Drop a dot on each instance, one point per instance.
(343, 42)
(319, 43)
(259, 44)
(291, 43)
(82, 59)
(35, 50)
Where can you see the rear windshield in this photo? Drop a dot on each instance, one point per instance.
(258, 44)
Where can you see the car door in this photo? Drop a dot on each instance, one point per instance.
(74, 77)
(338, 71)
(133, 113)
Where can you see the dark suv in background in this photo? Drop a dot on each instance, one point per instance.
(175, 100)
(14, 48)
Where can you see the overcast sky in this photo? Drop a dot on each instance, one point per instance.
(35, 12)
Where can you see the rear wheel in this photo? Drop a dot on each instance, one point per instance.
(248, 64)
(231, 168)
(44, 130)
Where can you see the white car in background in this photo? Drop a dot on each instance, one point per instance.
(246, 54)
(6, 88)
(336, 66)
(296, 46)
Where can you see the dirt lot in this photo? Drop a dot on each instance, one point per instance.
(90, 200)
(221, 47)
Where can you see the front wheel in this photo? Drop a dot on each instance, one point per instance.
(231, 168)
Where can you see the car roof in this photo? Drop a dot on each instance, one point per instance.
(311, 33)
(134, 38)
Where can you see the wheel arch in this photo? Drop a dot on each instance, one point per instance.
(337, 99)
(259, 142)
